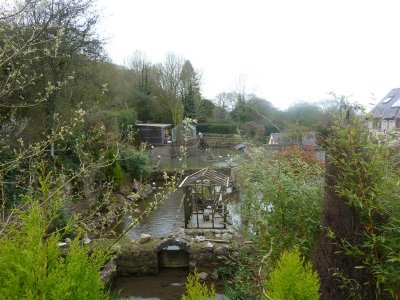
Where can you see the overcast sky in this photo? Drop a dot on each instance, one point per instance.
(287, 51)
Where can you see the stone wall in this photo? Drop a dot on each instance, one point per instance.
(137, 259)
(207, 257)
(221, 140)
(206, 253)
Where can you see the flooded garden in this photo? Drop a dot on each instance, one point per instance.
(168, 219)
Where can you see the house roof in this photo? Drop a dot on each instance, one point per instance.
(214, 177)
(153, 125)
(388, 107)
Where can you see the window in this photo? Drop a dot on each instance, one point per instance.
(396, 104)
(387, 99)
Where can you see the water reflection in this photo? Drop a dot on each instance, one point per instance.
(217, 158)
(168, 284)
(166, 218)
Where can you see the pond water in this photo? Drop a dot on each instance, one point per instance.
(166, 218)
(216, 157)
(168, 284)
(169, 215)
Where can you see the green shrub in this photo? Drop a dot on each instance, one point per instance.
(135, 163)
(196, 290)
(292, 279)
(363, 188)
(217, 128)
(281, 200)
(115, 120)
(240, 275)
(9, 191)
(31, 265)
(113, 172)
(116, 173)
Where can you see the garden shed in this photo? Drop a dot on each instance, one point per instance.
(154, 133)
(205, 204)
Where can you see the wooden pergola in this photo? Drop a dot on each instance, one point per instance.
(204, 200)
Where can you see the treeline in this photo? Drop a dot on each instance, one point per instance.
(56, 64)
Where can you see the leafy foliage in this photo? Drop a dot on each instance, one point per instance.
(363, 175)
(282, 198)
(241, 277)
(120, 121)
(135, 163)
(30, 258)
(196, 290)
(292, 279)
(217, 128)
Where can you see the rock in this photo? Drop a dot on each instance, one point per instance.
(222, 250)
(226, 236)
(214, 275)
(199, 238)
(218, 235)
(208, 246)
(187, 238)
(108, 273)
(86, 240)
(68, 241)
(203, 276)
(144, 238)
(192, 265)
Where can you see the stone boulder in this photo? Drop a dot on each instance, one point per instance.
(144, 238)
(203, 276)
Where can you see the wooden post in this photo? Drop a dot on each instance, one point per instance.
(197, 205)
(186, 205)
(213, 207)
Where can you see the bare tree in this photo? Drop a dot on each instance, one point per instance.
(169, 86)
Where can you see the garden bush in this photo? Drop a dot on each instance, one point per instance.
(217, 128)
(281, 199)
(195, 290)
(292, 279)
(32, 265)
(357, 255)
(135, 163)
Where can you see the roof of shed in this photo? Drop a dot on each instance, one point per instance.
(215, 178)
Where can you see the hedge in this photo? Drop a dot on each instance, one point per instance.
(217, 128)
